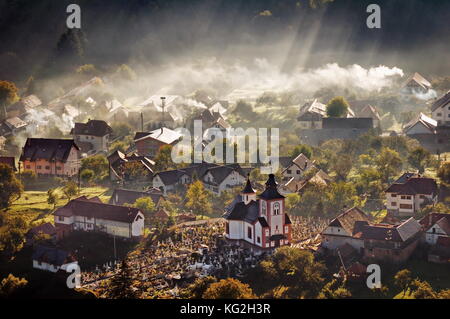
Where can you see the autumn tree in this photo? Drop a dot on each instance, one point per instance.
(11, 285)
(52, 197)
(70, 190)
(10, 187)
(87, 175)
(8, 94)
(334, 290)
(198, 287)
(12, 240)
(301, 149)
(163, 158)
(403, 279)
(337, 107)
(98, 164)
(419, 158)
(444, 173)
(146, 206)
(229, 288)
(388, 163)
(294, 268)
(198, 199)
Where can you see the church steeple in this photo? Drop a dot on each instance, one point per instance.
(248, 193)
(271, 191)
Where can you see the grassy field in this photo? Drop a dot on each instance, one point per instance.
(33, 206)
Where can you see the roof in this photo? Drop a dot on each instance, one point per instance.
(271, 191)
(46, 228)
(441, 102)
(15, 123)
(369, 111)
(47, 149)
(248, 189)
(349, 123)
(92, 127)
(246, 212)
(8, 160)
(405, 176)
(93, 209)
(432, 218)
(50, 255)
(397, 233)
(170, 177)
(312, 111)
(428, 122)
(163, 134)
(127, 196)
(220, 173)
(415, 185)
(348, 220)
(420, 80)
(26, 103)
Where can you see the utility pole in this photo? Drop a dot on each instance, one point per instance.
(163, 104)
(115, 252)
(142, 122)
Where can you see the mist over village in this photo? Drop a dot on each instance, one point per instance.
(210, 149)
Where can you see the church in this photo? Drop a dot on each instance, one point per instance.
(258, 221)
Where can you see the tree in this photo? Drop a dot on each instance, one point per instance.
(419, 158)
(98, 164)
(444, 173)
(11, 285)
(52, 197)
(70, 46)
(87, 175)
(8, 94)
(388, 163)
(12, 240)
(403, 279)
(422, 290)
(163, 158)
(198, 199)
(146, 206)
(339, 196)
(198, 287)
(10, 187)
(342, 164)
(292, 201)
(299, 149)
(334, 290)
(337, 107)
(229, 288)
(121, 285)
(70, 189)
(125, 72)
(135, 171)
(294, 268)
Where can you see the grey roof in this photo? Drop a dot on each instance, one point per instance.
(441, 102)
(92, 127)
(349, 123)
(48, 149)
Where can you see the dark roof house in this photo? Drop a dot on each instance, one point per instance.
(47, 149)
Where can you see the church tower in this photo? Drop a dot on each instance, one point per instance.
(248, 193)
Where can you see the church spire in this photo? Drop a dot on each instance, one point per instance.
(248, 189)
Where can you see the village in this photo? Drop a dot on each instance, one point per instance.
(224, 150)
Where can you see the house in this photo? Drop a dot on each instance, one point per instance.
(23, 106)
(337, 128)
(93, 136)
(221, 178)
(216, 178)
(436, 227)
(51, 157)
(345, 229)
(85, 214)
(161, 216)
(10, 161)
(45, 229)
(390, 243)
(259, 222)
(12, 126)
(297, 167)
(51, 259)
(441, 110)
(416, 83)
(125, 196)
(118, 163)
(421, 124)
(408, 194)
(300, 185)
(185, 218)
(311, 115)
(148, 144)
(373, 242)
(370, 111)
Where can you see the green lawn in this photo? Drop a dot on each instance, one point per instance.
(32, 205)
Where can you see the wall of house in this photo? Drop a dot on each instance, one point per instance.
(334, 241)
(72, 165)
(418, 128)
(432, 234)
(236, 227)
(276, 222)
(99, 143)
(148, 147)
(234, 179)
(137, 227)
(442, 115)
(310, 124)
(293, 171)
(389, 254)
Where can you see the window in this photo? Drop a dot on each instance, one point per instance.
(249, 232)
(393, 204)
(267, 232)
(286, 229)
(59, 168)
(28, 166)
(408, 197)
(258, 240)
(263, 208)
(276, 209)
(61, 218)
(227, 228)
(393, 195)
(39, 167)
(405, 206)
(289, 171)
(439, 114)
(47, 167)
(298, 171)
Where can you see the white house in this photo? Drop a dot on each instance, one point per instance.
(222, 178)
(297, 167)
(409, 193)
(260, 223)
(92, 215)
(441, 110)
(92, 136)
(422, 124)
(345, 229)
